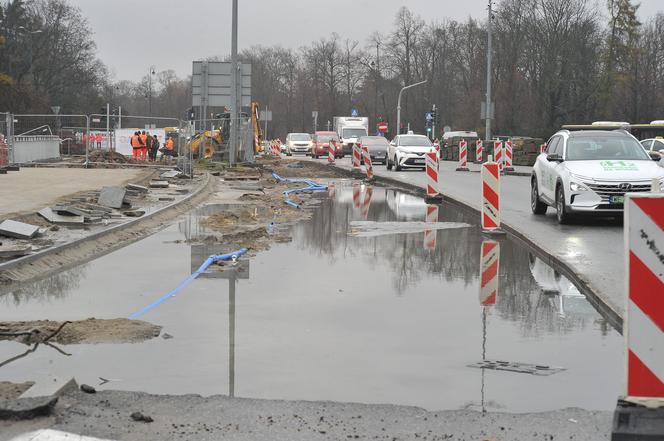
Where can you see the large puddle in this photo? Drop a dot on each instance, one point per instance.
(334, 315)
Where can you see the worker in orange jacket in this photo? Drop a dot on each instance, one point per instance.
(168, 149)
(136, 145)
(144, 145)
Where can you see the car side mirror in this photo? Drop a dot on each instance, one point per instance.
(554, 158)
(655, 156)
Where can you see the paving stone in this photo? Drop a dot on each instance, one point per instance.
(51, 387)
(27, 408)
(111, 197)
(170, 174)
(18, 230)
(138, 188)
(15, 251)
(159, 184)
(55, 218)
(68, 210)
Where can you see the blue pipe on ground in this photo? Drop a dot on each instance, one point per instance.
(312, 186)
(209, 261)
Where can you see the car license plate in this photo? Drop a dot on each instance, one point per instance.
(617, 199)
(419, 161)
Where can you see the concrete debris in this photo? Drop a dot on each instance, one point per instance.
(112, 197)
(88, 389)
(15, 251)
(95, 207)
(182, 190)
(135, 213)
(27, 408)
(170, 174)
(51, 388)
(18, 230)
(159, 184)
(68, 210)
(55, 218)
(167, 198)
(138, 188)
(138, 416)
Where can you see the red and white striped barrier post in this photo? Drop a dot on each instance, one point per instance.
(331, 190)
(366, 203)
(542, 148)
(430, 234)
(508, 155)
(357, 157)
(463, 156)
(330, 153)
(498, 153)
(436, 146)
(367, 162)
(356, 195)
(433, 188)
(489, 271)
(644, 322)
(276, 149)
(479, 151)
(491, 197)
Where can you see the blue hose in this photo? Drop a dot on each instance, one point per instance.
(312, 186)
(209, 261)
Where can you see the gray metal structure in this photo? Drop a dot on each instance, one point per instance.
(489, 114)
(399, 104)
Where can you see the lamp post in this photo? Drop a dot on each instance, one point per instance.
(151, 73)
(488, 114)
(399, 104)
(376, 66)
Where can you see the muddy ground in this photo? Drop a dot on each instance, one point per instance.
(10, 391)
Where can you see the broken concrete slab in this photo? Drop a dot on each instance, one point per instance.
(159, 184)
(167, 198)
(55, 218)
(27, 408)
(111, 197)
(170, 174)
(137, 187)
(68, 210)
(51, 387)
(97, 207)
(135, 213)
(18, 230)
(15, 251)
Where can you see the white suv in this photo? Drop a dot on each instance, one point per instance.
(407, 151)
(298, 143)
(590, 172)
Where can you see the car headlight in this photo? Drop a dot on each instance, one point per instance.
(577, 186)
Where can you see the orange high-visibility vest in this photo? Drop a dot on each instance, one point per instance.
(135, 142)
(169, 144)
(144, 140)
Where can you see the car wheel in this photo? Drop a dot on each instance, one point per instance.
(561, 211)
(536, 204)
(388, 163)
(397, 167)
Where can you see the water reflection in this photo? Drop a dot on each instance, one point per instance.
(55, 286)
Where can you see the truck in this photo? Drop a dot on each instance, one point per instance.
(350, 129)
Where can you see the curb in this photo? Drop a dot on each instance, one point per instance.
(44, 253)
(605, 309)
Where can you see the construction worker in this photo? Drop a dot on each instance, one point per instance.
(136, 145)
(154, 148)
(148, 145)
(144, 145)
(168, 149)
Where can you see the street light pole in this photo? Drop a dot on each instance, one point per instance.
(488, 114)
(235, 87)
(152, 71)
(399, 104)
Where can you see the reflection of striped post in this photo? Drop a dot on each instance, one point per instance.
(489, 270)
(463, 156)
(367, 162)
(356, 195)
(508, 156)
(357, 157)
(491, 197)
(330, 153)
(367, 202)
(430, 234)
(432, 176)
(498, 153)
(479, 150)
(542, 148)
(644, 237)
(331, 190)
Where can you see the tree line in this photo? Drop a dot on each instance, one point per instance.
(555, 62)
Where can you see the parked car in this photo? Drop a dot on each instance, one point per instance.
(322, 142)
(377, 145)
(298, 143)
(407, 151)
(589, 172)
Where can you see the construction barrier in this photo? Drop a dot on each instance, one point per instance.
(489, 271)
(430, 234)
(330, 153)
(357, 157)
(276, 149)
(479, 150)
(542, 148)
(357, 193)
(463, 156)
(490, 196)
(367, 162)
(366, 203)
(508, 154)
(498, 153)
(436, 145)
(433, 189)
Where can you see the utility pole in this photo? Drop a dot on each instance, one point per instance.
(235, 90)
(433, 123)
(489, 113)
(108, 126)
(150, 73)
(265, 131)
(399, 104)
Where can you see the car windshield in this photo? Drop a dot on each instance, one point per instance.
(378, 141)
(326, 138)
(354, 133)
(415, 141)
(301, 137)
(604, 147)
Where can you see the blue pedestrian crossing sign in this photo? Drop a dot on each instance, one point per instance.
(354, 112)
(428, 116)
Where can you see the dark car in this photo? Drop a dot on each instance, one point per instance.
(377, 147)
(322, 143)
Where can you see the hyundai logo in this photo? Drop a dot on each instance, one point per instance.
(625, 186)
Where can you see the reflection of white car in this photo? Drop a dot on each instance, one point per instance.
(654, 146)
(590, 172)
(298, 143)
(407, 151)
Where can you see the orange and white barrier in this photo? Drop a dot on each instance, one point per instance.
(366, 203)
(498, 153)
(367, 162)
(644, 324)
(430, 234)
(276, 148)
(542, 148)
(330, 153)
(508, 152)
(463, 156)
(479, 150)
(357, 157)
(489, 271)
(433, 189)
(436, 145)
(491, 197)
(357, 193)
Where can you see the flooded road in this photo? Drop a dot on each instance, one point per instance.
(334, 315)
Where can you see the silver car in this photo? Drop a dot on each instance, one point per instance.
(407, 151)
(377, 145)
(298, 143)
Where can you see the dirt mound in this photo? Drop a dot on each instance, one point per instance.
(90, 331)
(11, 391)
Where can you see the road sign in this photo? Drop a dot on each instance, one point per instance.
(428, 116)
(211, 84)
(265, 115)
(314, 114)
(354, 112)
(382, 127)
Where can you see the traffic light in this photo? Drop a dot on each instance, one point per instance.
(434, 115)
(191, 114)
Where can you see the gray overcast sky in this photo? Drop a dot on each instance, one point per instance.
(131, 35)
